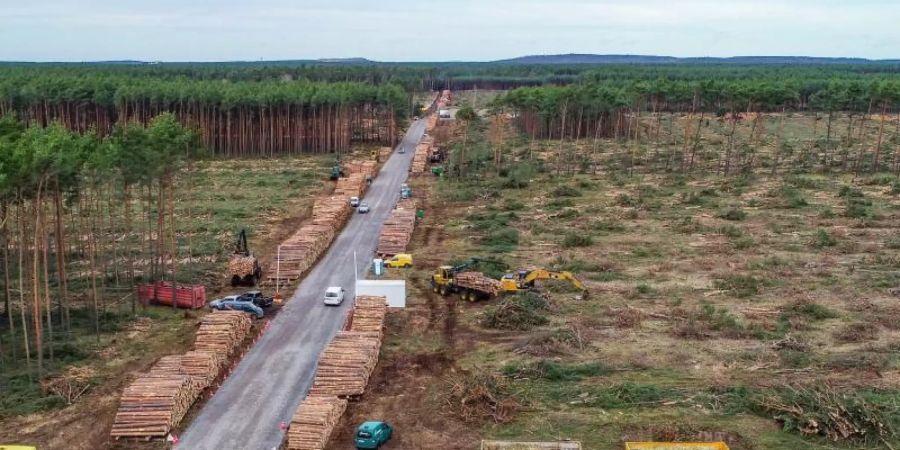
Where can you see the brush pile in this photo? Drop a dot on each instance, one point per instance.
(314, 421)
(836, 415)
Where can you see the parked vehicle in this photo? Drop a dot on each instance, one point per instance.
(400, 260)
(257, 298)
(373, 434)
(334, 295)
(237, 303)
(354, 202)
(363, 208)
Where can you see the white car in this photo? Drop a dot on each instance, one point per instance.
(363, 208)
(354, 202)
(334, 296)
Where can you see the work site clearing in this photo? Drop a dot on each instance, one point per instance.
(705, 279)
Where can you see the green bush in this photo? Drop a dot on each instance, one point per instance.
(556, 204)
(856, 209)
(740, 285)
(503, 239)
(608, 225)
(743, 243)
(730, 231)
(520, 175)
(565, 191)
(814, 311)
(849, 192)
(892, 243)
(513, 205)
(626, 200)
(490, 221)
(823, 239)
(733, 214)
(555, 371)
(577, 240)
(793, 198)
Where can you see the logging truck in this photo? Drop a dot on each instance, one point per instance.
(244, 268)
(476, 286)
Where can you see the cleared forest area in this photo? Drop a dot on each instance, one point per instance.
(754, 305)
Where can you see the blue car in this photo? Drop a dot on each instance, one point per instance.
(238, 303)
(372, 434)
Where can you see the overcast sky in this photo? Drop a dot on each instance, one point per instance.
(429, 30)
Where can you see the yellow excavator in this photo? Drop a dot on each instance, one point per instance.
(523, 280)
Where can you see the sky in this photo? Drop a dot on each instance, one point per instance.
(450, 30)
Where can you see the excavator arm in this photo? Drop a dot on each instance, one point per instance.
(526, 280)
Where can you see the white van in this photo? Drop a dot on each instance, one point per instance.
(334, 296)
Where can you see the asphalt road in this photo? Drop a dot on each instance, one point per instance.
(274, 376)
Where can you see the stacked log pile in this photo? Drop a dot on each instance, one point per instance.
(346, 364)
(396, 232)
(314, 421)
(364, 167)
(157, 401)
(200, 376)
(478, 281)
(420, 159)
(221, 332)
(331, 211)
(353, 185)
(152, 405)
(368, 315)
(300, 251)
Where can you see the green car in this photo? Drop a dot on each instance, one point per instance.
(371, 435)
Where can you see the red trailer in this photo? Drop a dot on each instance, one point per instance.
(162, 293)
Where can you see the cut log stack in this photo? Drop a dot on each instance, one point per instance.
(353, 185)
(300, 251)
(157, 401)
(368, 315)
(346, 364)
(331, 211)
(396, 232)
(314, 421)
(420, 159)
(364, 167)
(152, 405)
(478, 281)
(221, 332)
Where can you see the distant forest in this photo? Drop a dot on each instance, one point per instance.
(271, 108)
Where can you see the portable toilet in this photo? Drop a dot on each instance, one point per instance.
(378, 266)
